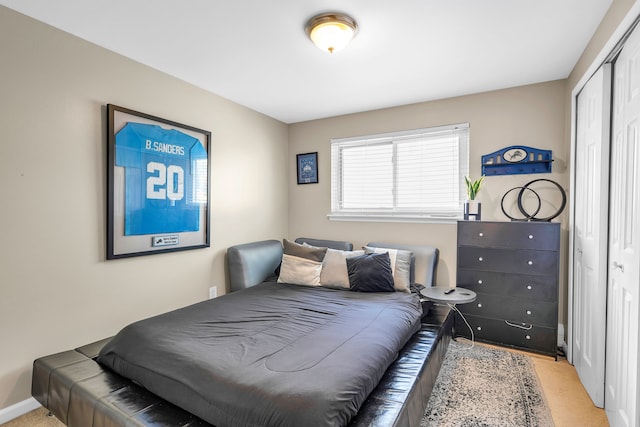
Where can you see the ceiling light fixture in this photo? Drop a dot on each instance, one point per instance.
(331, 31)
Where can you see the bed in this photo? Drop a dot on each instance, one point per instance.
(396, 359)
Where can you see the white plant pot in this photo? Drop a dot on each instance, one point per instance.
(472, 210)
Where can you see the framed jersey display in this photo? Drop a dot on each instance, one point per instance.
(158, 185)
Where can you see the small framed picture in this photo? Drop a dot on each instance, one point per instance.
(158, 185)
(307, 168)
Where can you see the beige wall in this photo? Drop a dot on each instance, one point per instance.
(56, 290)
(616, 21)
(612, 19)
(530, 115)
(537, 115)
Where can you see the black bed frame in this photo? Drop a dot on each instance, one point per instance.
(82, 393)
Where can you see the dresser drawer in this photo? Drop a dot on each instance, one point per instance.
(535, 338)
(513, 309)
(516, 235)
(530, 262)
(543, 288)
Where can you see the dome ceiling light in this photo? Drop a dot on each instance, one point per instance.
(331, 31)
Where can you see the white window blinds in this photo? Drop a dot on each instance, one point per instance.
(411, 175)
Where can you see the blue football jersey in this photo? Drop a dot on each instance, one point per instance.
(164, 185)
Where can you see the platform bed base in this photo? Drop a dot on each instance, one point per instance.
(81, 393)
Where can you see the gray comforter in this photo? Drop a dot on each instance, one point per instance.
(271, 355)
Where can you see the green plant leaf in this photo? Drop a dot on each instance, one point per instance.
(473, 187)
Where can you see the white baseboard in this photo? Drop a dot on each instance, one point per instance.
(564, 348)
(560, 334)
(561, 342)
(20, 408)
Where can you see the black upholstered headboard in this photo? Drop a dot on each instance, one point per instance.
(321, 243)
(252, 263)
(424, 263)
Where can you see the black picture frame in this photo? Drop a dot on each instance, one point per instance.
(307, 167)
(158, 185)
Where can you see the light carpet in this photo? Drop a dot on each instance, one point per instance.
(486, 387)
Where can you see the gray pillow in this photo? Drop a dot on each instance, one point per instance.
(334, 268)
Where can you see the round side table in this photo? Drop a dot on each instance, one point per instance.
(451, 297)
(442, 295)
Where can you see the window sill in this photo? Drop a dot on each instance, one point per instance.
(362, 217)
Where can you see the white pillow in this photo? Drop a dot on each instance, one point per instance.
(301, 265)
(299, 271)
(400, 266)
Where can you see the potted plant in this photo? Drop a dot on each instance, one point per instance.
(472, 208)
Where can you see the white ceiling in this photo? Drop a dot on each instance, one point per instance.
(256, 53)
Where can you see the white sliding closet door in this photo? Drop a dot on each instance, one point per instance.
(590, 232)
(622, 374)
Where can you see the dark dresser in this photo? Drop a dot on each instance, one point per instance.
(513, 267)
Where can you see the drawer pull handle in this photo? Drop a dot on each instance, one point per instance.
(529, 287)
(521, 326)
(479, 328)
(480, 305)
(481, 234)
(480, 282)
(530, 236)
(529, 312)
(528, 337)
(530, 262)
(479, 258)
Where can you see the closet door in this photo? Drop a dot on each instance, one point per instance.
(590, 233)
(621, 398)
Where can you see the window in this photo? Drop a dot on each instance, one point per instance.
(402, 176)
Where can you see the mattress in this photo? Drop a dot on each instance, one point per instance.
(271, 355)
